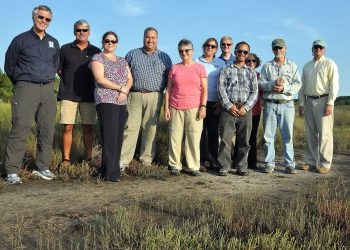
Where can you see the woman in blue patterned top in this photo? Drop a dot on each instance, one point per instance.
(113, 81)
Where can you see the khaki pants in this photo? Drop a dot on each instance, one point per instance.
(319, 133)
(143, 111)
(184, 121)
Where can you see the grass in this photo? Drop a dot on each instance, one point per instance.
(317, 218)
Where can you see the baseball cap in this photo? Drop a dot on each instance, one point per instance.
(319, 42)
(278, 42)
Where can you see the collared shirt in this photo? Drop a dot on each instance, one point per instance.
(237, 85)
(213, 71)
(320, 77)
(149, 71)
(77, 83)
(229, 61)
(288, 71)
(28, 58)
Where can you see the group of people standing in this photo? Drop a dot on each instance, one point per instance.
(211, 101)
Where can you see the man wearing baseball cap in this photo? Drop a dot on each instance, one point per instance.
(280, 82)
(317, 95)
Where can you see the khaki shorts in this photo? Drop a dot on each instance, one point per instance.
(69, 109)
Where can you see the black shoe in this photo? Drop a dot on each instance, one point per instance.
(242, 173)
(202, 169)
(223, 173)
(112, 180)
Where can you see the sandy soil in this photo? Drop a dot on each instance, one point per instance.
(40, 201)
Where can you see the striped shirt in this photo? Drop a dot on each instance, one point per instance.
(237, 85)
(288, 71)
(149, 71)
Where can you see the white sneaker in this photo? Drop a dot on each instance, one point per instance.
(12, 179)
(45, 174)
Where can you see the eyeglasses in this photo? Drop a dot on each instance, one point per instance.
(277, 48)
(318, 47)
(251, 60)
(226, 44)
(244, 52)
(44, 18)
(81, 30)
(184, 50)
(110, 41)
(210, 46)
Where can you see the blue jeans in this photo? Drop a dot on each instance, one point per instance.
(279, 116)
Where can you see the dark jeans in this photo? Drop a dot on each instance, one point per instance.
(229, 125)
(210, 128)
(252, 156)
(111, 120)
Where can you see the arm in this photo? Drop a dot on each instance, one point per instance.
(301, 94)
(333, 77)
(11, 59)
(265, 83)
(222, 95)
(125, 89)
(98, 73)
(253, 95)
(167, 114)
(295, 82)
(204, 97)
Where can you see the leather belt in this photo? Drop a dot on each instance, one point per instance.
(141, 91)
(277, 101)
(41, 83)
(316, 96)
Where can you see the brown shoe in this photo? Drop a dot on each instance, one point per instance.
(305, 167)
(323, 170)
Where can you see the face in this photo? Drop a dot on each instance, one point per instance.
(150, 41)
(226, 45)
(242, 53)
(82, 33)
(185, 52)
(279, 52)
(109, 43)
(251, 62)
(42, 20)
(210, 48)
(318, 51)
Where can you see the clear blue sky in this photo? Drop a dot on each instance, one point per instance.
(256, 22)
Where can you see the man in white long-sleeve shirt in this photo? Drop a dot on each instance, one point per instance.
(317, 95)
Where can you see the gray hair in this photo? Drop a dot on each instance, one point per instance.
(40, 7)
(81, 22)
(184, 42)
(226, 37)
(149, 29)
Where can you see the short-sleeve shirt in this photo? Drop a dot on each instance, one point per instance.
(77, 83)
(186, 90)
(115, 71)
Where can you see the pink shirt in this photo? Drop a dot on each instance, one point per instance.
(186, 92)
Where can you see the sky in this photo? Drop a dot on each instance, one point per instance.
(257, 22)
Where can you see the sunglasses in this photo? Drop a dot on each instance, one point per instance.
(184, 50)
(277, 48)
(81, 30)
(244, 52)
(210, 46)
(226, 44)
(318, 47)
(251, 60)
(44, 18)
(110, 41)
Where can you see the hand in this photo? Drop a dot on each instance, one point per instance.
(167, 114)
(217, 107)
(242, 111)
(202, 112)
(233, 111)
(328, 110)
(278, 88)
(124, 90)
(279, 82)
(301, 111)
(121, 97)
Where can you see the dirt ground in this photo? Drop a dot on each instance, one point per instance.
(39, 201)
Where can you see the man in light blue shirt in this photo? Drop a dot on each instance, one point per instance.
(280, 81)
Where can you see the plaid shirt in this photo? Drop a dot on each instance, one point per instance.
(237, 85)
(149, 71)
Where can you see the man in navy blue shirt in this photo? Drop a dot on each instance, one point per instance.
(31, 63)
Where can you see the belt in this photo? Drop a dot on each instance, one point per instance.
(316, 96)
(277, 101)
(141, 91)
(41, 83)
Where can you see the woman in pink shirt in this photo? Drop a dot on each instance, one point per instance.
(185, 108)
